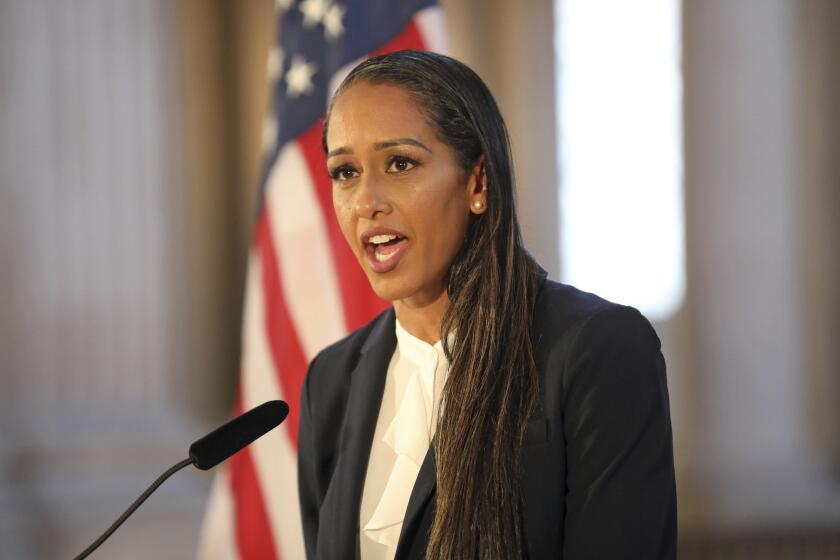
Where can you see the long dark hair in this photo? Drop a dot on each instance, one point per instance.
(491, 389)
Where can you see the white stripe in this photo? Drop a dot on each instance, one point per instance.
(274, 455)
(216, 541)
(310, 285)
(432, 26)
(339, 76)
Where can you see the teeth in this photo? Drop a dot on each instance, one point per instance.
(382, 238)
(382, 257)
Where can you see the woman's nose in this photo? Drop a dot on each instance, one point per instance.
(371, 198)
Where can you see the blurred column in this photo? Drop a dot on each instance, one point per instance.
(511, 46)
(758, 243)
(819, 147)
(222, 49)
(92, 213)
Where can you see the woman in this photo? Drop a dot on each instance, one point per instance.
(491, 413)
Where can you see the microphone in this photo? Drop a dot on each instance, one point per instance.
(240, 432)
(209, 451)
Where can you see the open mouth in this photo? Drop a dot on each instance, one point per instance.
(384, 249)
(384, 246)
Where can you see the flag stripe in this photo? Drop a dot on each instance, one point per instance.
(282, 337)
(432, 29)
(339, 76)
(304, 254)
(357, 297)
(408, 38)
(254, 537)
(216, 541)
(273, 454)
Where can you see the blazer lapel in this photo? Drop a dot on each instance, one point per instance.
(413, 527)
(367, 383)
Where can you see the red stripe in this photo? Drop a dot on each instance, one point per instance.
(254, 537)
(286, 352)
(409, 38)
(359, 301)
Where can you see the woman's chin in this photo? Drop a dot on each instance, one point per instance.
(388, 289)
(393, 285)
(411, 294)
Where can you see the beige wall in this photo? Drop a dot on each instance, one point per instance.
(90, 276)
(759, 196)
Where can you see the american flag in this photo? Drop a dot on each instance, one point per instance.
(305, 288)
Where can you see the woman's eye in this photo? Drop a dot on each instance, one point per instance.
(401, 164)
(343, 173)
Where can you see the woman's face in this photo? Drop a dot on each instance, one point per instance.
(401, 199)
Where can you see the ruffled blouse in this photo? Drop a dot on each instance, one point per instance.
(404, 431)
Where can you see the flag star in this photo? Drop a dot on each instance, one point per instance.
(299, 77)
(269, 134)
(282, 5)
(333, 26)
(313, 11)
(275, 63)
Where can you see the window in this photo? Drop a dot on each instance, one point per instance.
(620, 151)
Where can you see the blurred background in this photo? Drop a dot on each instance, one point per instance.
(130, 137)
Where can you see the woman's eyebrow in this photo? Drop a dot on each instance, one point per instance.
(381, 146)
(398, 141)
(339, 152)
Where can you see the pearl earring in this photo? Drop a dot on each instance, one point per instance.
(478, 205)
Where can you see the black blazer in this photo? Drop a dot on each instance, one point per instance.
(598, 470)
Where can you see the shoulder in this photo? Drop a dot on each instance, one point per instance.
(560, 305)
(564, 312)
(580, 337)
(605, 397)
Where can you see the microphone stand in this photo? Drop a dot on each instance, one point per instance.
(211, 450)
(172, 470)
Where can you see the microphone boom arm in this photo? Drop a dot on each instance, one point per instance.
(172, 470)
(211, 450)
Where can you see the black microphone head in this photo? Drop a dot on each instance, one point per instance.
(226, 440)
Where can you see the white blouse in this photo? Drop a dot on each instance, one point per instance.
(404, 430)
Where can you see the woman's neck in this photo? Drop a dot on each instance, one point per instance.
(422, 319)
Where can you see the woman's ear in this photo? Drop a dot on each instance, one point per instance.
(477, 188)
